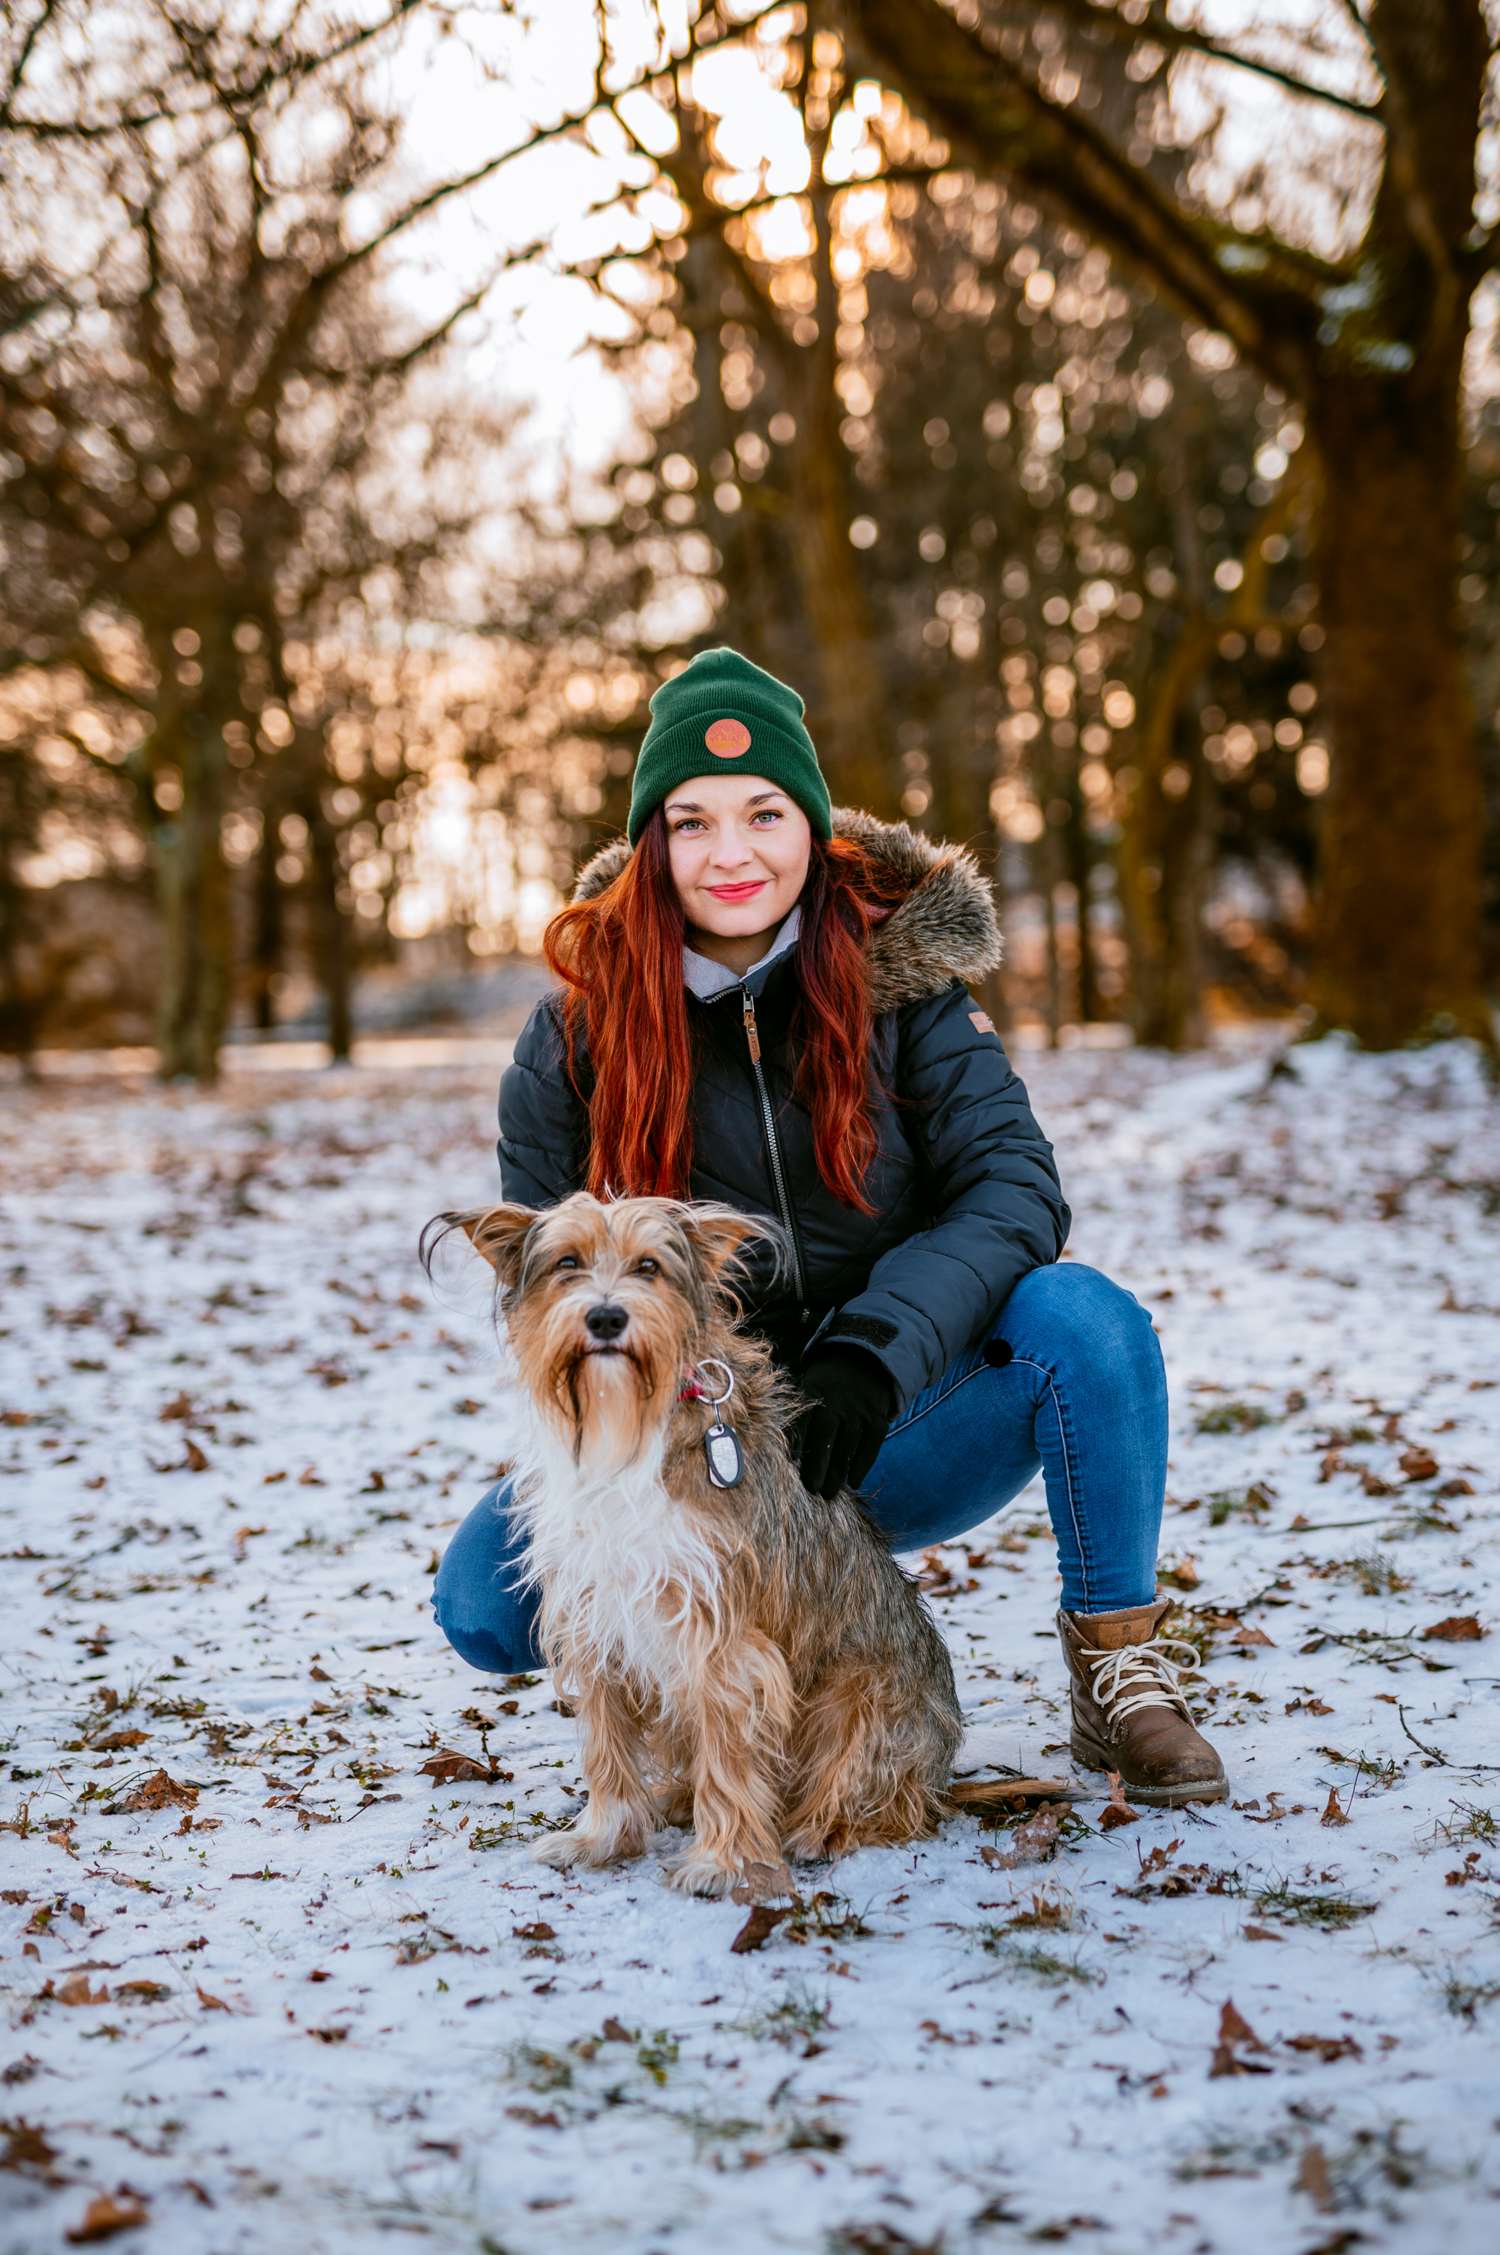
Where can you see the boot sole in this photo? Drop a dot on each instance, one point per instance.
(1156, 1796)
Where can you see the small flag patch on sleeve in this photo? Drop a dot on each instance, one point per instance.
(983, 1021)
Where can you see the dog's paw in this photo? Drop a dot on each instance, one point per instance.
(589, 1848)
(696, 1872)
(810, 1847)
(560, 1851)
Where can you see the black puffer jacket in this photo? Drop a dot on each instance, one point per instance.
(964, 1184)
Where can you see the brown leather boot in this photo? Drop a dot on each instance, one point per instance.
(1129, 1713)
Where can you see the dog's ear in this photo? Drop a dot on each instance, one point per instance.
(729, 1240)
(499, 1233)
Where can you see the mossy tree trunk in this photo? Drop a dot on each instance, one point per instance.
(1397, 907)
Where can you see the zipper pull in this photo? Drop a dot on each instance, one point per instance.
(752, 1034)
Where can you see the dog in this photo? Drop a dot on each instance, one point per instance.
(743, 1657)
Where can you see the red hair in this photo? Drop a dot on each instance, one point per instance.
(619, 958)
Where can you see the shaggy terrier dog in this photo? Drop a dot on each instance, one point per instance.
(742, 1656)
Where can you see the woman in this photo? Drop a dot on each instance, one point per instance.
(766, 1000)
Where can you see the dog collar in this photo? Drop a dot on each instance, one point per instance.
(721, 1446)
(693, 1389)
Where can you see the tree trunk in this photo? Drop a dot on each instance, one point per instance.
(1047, 862)
(267, 919)
(1078, 859)
(1165, 851)
(851, 722)
(18, 1004)
(330, 920)
(1396, 907)
(960, 808)
(193, 885)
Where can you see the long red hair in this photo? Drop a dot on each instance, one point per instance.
(618, 956)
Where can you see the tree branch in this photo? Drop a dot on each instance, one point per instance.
(19, 67)
(686, 167)
(1187, 39)
(291, 71)
(1259, 291)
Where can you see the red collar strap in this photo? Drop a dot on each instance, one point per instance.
(691, 1391)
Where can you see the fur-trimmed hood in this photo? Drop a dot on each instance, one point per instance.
(945, 929)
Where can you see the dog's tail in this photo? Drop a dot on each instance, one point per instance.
(1006, 1796)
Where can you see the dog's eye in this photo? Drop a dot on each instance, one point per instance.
(646, 1266)
(566, 1260)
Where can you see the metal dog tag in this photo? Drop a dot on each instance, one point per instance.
(726, 1463)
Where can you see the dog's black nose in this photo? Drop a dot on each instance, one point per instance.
(606, 1321)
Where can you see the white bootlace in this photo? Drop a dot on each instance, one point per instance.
(1114, 1686)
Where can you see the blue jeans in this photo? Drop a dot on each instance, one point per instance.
(1069, 1380)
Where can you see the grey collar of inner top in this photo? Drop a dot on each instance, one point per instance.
(707, 978)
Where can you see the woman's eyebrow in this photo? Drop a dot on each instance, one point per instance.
(691, 806)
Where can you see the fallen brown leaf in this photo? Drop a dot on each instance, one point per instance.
(76, 1990)
(1184, 1575)
(1312, 2177)
(1328, 2048)
(1035, 1841)
(104, 2216)
(1457, 1628)
(449, 1764)
(158, 1791)
(759, 1927)
(1117, 1810)
(26, 2147)
(1235, 2029)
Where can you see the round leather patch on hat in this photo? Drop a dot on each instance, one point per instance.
(727, 738)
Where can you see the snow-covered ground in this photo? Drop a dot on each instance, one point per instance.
(274, 1980)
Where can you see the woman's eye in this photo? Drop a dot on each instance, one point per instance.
(694, 822)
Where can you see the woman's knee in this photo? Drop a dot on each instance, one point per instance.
(1070, 1304)
(482, 1648)
(481, 1614)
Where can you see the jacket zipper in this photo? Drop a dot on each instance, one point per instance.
(752, 1036)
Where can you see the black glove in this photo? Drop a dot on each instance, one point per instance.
(851, 1401)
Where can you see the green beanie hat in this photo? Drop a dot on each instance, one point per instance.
(722, 711)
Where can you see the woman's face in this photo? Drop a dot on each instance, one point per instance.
(739, 850)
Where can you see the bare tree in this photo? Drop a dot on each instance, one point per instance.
(1371, 341)
(155, 398)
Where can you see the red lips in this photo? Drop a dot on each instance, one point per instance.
(736, 892)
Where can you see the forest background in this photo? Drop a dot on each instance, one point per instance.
(1093, 408)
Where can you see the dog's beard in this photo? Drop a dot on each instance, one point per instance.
(605, 1404)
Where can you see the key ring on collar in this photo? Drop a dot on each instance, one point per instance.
(716, 1399)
